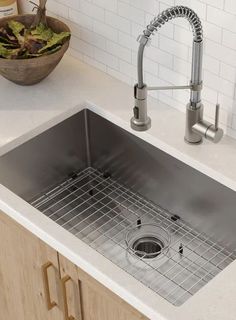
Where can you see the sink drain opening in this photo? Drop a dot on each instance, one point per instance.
(147, 241)
(148, 247)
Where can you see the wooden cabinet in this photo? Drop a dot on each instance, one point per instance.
(93, 301)
(22, 291)
(37, 283)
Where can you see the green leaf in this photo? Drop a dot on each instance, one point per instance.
(8, 53)
(16, 28)
(56, 39)
(4, 40)
(3, 51)
(41, 32)
(8, 45)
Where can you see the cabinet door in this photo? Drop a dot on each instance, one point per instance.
(92, 300)
(27, 291)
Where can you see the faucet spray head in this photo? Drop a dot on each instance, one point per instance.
(140, 121)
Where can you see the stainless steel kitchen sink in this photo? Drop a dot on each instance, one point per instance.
(166, 224)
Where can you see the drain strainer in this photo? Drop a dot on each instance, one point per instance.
(149, 246)
(147, 241)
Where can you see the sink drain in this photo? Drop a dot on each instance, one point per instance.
(147, 241)
(148, 247)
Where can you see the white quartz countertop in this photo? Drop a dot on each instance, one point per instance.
(27, 111)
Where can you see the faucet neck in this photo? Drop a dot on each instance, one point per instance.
(140, 61)
(158, 22)
(196, 74)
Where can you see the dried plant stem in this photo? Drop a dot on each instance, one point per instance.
(41, 13)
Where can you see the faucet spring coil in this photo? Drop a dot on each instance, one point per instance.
(172, 13)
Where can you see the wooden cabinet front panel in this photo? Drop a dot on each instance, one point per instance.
(22, 292)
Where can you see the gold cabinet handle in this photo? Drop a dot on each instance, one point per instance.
(64, 294)
(50, 304)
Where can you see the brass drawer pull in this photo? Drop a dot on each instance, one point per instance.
(50, 304)
(64, 294)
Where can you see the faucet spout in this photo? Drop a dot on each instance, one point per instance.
(141, 121)
(158, 22)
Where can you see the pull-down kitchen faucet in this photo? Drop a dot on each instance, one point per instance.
(196, 126)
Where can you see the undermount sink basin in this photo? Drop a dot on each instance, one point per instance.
(166, 224)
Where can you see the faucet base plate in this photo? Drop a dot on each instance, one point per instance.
(193, 142)
(137, 125)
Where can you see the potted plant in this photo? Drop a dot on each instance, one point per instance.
(31, 45)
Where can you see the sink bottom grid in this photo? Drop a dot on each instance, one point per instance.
(101, 212)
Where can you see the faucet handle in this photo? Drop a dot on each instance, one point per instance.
(209, 130)
(213, 132)
(217, 113)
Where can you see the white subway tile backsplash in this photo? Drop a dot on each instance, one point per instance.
(128, 69)
(228, 72)
(212, 32)
(81, 19)
(168, 3)
(58, 8)
(82, 46)
(172, 76)
(215, 3)
(150, 6)
(181, 95)
(173, 47)
(131, 13)
(230, 6)
(181, 66)
(164, 5)
(169, 100)
(149, 65)
(209, 94)
(219, 84)
(198, 6)
(209, 111)
(120, 76)
(105, 30)
(221, 18)
(105, 33)
(70, 3)
(159, 56)
(92, 10)
(137, 29)
(229, 39)
(118, 22)
(221, 52)
(234, 121)
(106, 58)
(127, 41)
(92, 38)
(211, 64)
(75, 28)
(110, 5)
(182, 35)
(227, 103)
(119, 51)
(167, 30)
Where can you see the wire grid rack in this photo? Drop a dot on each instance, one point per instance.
(100, 211)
